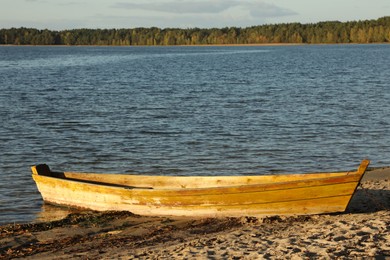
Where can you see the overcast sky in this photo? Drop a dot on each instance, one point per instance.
(70, 14)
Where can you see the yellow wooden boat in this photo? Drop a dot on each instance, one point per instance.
(211, 196)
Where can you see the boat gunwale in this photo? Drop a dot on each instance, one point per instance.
(340, 173)
(348, 176)
(360, 171)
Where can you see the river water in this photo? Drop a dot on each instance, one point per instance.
(188, 111)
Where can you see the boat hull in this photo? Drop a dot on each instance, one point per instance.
(220, 196)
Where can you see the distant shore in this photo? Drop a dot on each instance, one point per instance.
(200, 45)
(367, 31)
(362, 231)
(194, 45)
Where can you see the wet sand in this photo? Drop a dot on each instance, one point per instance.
(363, 231)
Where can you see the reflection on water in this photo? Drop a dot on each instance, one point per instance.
(51, 213)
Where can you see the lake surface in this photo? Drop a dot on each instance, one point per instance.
(188, 111)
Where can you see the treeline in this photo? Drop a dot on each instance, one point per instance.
(368, 31)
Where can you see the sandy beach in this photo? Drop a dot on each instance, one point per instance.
(363, 231)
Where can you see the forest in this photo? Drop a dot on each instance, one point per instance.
(367, 31)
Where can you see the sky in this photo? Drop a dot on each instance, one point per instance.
(108, 14)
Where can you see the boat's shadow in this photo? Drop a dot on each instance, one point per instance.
(369, 201)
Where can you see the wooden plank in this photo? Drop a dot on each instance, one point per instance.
(313, 206)
(171, 182)
(111, 202)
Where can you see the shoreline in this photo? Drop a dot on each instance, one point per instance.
(201, 45)
(362, 231)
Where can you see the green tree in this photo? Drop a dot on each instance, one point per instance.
(369, 31)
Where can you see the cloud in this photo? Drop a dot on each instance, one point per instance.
(67, 14)
(182, 7)
(268, 10)
(255, 7)
(202, 13)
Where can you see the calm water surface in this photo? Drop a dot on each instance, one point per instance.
(188, 111)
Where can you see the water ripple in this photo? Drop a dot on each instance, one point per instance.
(188, 111)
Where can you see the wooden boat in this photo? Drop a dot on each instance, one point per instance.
(212, 196)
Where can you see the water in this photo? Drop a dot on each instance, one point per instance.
(188, 111)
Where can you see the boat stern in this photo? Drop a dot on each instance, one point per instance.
(363, 166)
